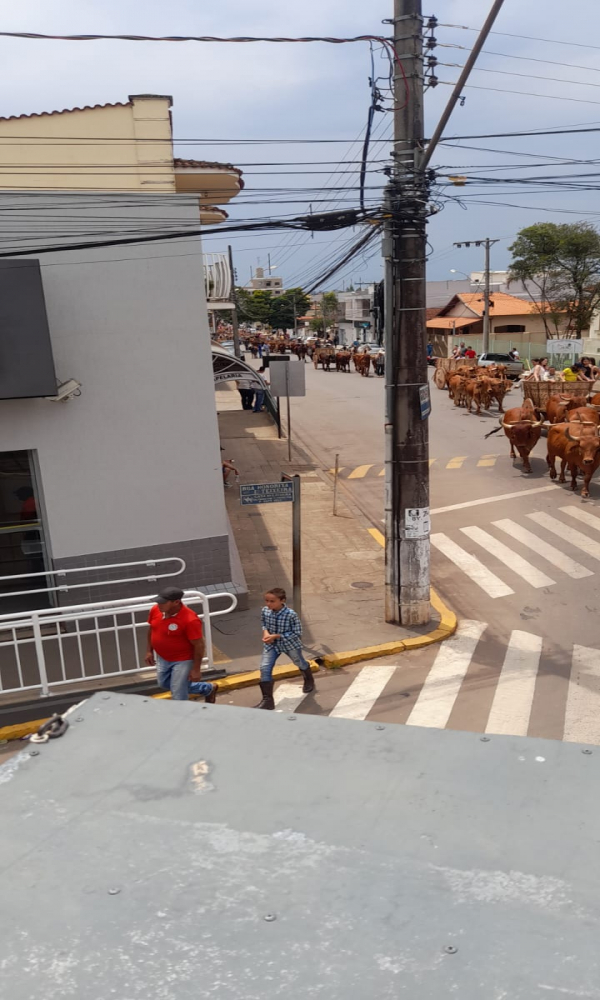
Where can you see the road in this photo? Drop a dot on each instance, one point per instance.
(515, 556)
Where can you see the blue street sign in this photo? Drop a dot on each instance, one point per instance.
(424, 401)
(267, 493)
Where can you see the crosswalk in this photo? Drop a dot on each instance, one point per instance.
(468, 682)
(551, 544)
(373, 471)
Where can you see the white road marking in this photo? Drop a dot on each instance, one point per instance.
(573, 569)
(571, 535)
(358, 700)
(438, 694)
(511, 707)
(288, 696)
(582, 515)
(515, 562)
(582, 715)
(475, 570)
(502, 496)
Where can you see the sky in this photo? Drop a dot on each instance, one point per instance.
(237, 93)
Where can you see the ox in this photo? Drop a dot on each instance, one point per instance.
(362, 363)
(497, 389)
(559, 404)
(477, 391)
(522, 426)
(584, 414)
(576, 445)
(342, 361)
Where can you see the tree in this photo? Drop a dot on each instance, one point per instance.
(562, 262)
(254, 307)
(287, 306)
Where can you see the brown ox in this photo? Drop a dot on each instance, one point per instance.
(576, 445)
(477, 391)
(584, 414)
(342, 361)
(497, 389)
(522, 426)
(457, 391)
(324, 356)
(559, 404)
(362, 363)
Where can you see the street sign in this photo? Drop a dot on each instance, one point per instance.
(563, 346)
(288, 379)
(266, 493)
(424, 401)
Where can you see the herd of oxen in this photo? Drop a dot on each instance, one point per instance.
(572, 421)
(331, 357)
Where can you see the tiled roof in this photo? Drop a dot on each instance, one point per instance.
(432, 311)
(203, 165)
(62, 111)
(502, 304)
(450, 322)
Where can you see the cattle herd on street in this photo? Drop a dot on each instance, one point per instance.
(570, 416)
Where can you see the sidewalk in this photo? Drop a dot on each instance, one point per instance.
(342, 564)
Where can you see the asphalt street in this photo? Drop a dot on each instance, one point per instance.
(515, 556)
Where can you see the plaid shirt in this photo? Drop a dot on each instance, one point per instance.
(285, 623)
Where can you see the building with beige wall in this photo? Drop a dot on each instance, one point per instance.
(514, 322)
(127, 146)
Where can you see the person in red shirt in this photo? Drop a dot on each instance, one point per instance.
(470, 353)
(176, 647)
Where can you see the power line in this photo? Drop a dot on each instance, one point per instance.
(509, 55)
(522, 93)
(527, 76)
(529, 38)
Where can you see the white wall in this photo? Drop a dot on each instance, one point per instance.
(135, 459)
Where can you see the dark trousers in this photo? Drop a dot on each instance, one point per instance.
(247, 398)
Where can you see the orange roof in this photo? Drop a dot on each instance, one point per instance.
(502, 304)
(450, 322)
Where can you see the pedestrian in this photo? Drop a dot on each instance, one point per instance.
(282, 633)
(429, 350)
(176, 647)
(227, 467)
(470, 353)
(462, 349)
(259, 398)
(246, 391)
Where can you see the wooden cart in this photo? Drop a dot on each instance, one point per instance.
(539, 392)
(443, 365)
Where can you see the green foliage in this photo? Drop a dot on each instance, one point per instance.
(276, 311)
(562, 262)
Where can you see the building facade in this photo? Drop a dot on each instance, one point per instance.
(514, 322)
(265, 283)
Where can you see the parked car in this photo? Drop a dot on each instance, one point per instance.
(514, 369)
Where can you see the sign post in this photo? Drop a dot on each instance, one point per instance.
(286, 491)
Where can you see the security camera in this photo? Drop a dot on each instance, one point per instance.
(66, 390)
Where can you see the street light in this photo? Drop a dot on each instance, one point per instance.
(454, 271)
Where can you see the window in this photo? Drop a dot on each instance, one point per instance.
(267, 284)
(510, 328)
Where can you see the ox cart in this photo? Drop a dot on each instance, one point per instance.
(445, 367)
(540, 392)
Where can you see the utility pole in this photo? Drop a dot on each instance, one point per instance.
(234, 315)
(407, 447)
(487, 243)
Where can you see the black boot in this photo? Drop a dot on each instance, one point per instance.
(267, 702)
(309, 681)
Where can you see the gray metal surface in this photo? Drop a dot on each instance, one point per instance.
(172, 851)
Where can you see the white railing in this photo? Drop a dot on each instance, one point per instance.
(64, 587)
(217, 277)
(40, 650)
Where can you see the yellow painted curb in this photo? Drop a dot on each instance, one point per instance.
(21, 729)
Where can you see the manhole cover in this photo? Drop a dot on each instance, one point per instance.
(361, 585)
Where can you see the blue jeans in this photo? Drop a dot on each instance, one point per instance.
(174, 677)
(259, 399)
(269, 657)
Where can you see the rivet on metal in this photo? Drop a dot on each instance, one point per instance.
(144, 699)
(203, 706)
(79, 718)
(586, 750)
(291, 718)
(380, 727)
(484, 739)
(34, 753)
(270, 917)
(105, 697)
(451, 949)
(113, 892)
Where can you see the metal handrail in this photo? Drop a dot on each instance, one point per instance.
(62, 588)
(84, 612)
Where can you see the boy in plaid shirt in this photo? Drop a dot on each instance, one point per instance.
(282, 633)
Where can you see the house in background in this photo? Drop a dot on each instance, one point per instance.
(514, 322)
(260, 282)
(126, 146)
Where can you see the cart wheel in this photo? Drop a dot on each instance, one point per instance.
(440, 378)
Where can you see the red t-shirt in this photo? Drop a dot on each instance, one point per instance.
(470, 354)
(171, 636)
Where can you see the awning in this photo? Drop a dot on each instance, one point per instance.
(451, 322)
(226, 367)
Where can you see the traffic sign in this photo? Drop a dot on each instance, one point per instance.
(424, 401)
(266, 493)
